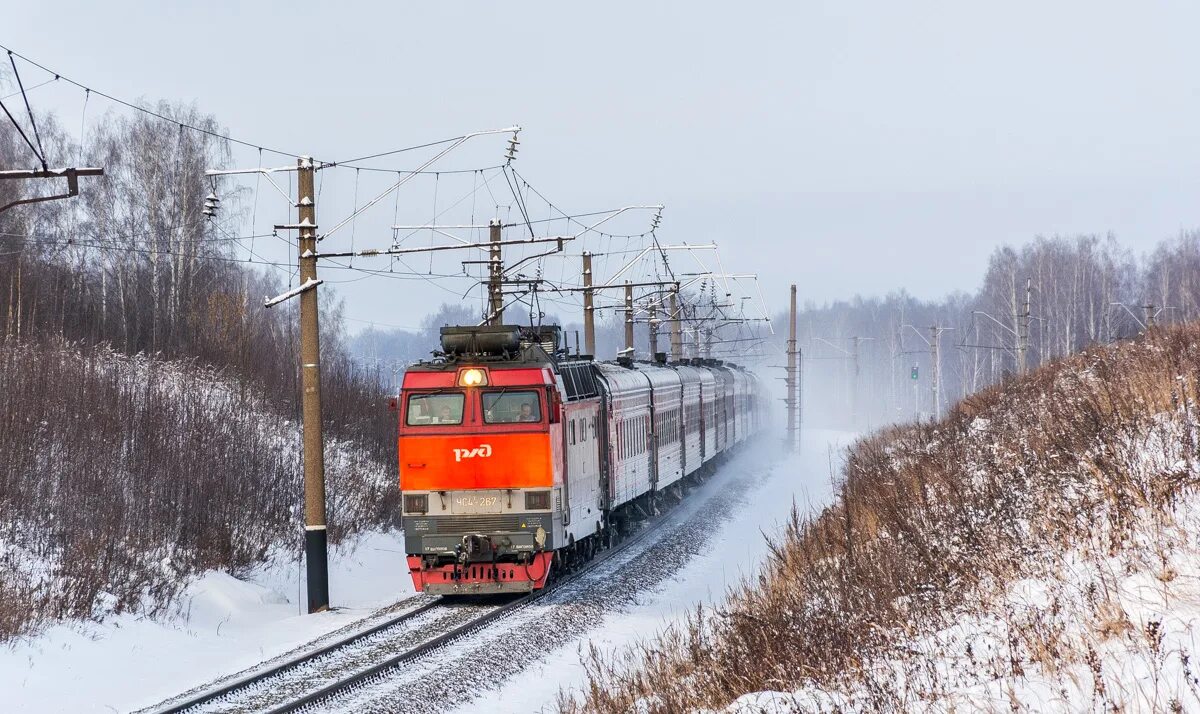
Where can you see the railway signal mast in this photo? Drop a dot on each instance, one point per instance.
(935, 362)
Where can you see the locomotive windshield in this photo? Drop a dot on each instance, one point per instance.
(430, 409)
(505, 407)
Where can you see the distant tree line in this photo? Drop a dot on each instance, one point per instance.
(1081, 290)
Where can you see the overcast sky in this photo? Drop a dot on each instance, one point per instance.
(850, 147)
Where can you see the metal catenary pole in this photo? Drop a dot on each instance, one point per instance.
(793, 425)
(676, 328)
(495, 275)
(653, 309)
(1023, 329)
(628, 320)
(799, 394)
(935, 360)
(854, 385)
(315, 541)
(589, 309)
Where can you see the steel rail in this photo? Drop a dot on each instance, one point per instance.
(375, 671)
(249, 680)
(351, 682)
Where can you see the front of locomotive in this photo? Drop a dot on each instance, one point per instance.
(478, 472)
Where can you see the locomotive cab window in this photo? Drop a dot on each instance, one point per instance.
(505, 407)
(432, 409)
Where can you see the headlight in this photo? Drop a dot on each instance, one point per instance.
(537, 500)
(472, 378)
(416, 503)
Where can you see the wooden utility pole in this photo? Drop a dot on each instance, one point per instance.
(793, 421)
(589, 308)
(676, 328)
(628, 352)
(495, 275)
(315, 541)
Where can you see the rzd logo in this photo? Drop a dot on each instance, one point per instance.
(482, 451)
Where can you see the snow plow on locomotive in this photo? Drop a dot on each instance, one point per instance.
(517, 459)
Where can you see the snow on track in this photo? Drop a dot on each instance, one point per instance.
(712, 525)
(348, 659)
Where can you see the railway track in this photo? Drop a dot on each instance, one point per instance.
(217, 698)
(354, 661)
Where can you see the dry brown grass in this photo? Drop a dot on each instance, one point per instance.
(121, 477)
(925, 515)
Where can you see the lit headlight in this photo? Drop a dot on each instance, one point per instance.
(472, 378)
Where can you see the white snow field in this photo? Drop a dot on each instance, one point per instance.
(224, 626)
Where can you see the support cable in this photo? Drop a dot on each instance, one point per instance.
(41, 152)
(144, 110)
(83, 126)
(22, 133)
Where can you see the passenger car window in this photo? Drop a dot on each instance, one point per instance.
(506, 407)
(431, 409)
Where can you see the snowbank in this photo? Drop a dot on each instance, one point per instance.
(735, 553)
(223, 625)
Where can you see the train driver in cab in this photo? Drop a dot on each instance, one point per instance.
(527, 412)
(446, 415)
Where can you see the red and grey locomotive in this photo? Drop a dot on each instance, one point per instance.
(516, 458)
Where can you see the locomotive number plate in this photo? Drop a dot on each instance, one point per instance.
(477, 502)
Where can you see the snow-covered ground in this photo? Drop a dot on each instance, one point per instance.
(225, 625)
(1099, 633)
(737, 549)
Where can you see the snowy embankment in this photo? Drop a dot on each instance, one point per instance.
(1035, 551)
(1106, 625)
(224, 625)
(735, 548)
(133, 490)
